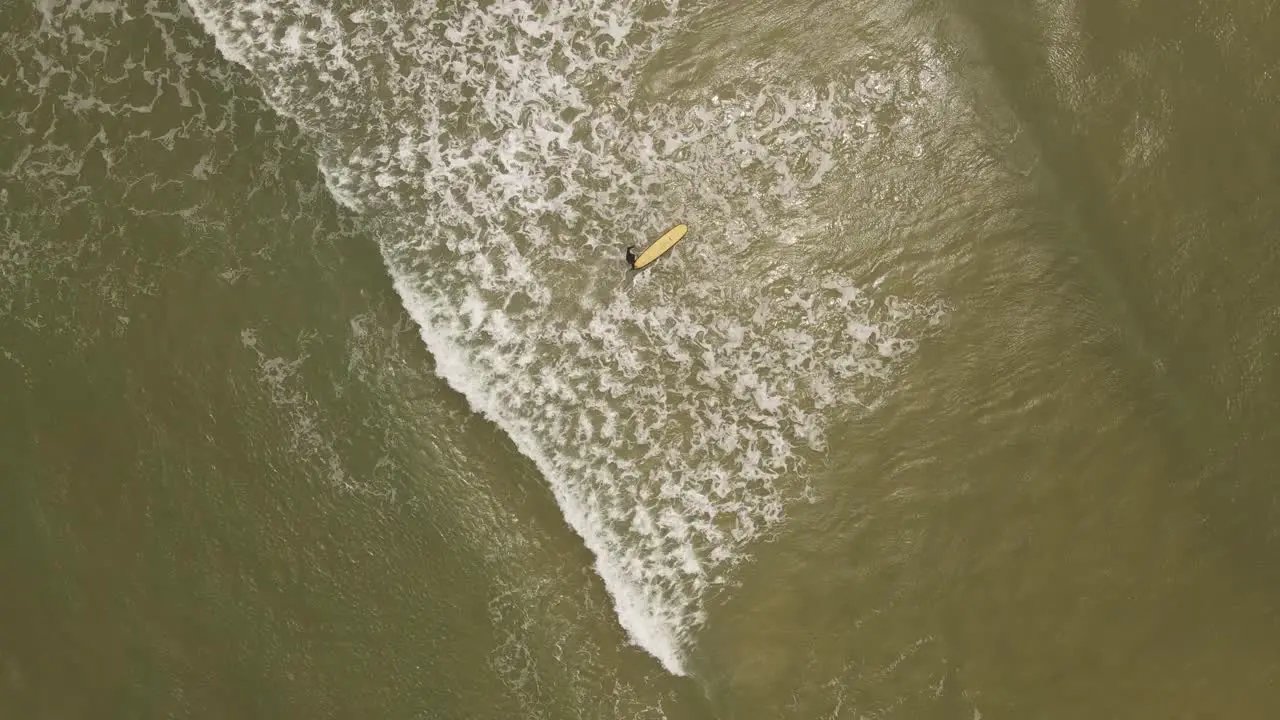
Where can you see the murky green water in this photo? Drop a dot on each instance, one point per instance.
(326, 393)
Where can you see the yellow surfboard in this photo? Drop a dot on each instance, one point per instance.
(661, 246)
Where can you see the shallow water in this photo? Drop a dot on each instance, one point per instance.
(329, 393)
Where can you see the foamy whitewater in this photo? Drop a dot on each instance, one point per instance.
(500, 157)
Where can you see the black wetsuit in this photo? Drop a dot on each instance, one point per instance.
(631, 255)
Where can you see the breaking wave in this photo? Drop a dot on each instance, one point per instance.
(499, 154)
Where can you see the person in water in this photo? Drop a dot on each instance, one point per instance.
(631, 255)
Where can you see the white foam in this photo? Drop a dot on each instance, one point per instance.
(496, 154)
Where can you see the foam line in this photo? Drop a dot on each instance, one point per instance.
(496, 155)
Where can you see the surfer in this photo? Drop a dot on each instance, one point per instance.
(631, 255)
